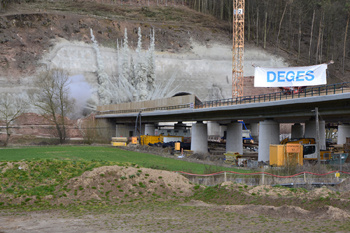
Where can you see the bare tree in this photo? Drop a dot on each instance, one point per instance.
(11, 107)
(279, 28)
(345, 35)
(52, 99)
(312, 29)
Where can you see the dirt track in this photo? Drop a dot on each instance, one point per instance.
(195, 216)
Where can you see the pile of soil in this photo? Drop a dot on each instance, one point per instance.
(10, 165)
(320, 192)
(268, 190)
(124, 184)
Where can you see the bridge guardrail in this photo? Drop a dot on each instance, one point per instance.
(275, 96)
(329, 89)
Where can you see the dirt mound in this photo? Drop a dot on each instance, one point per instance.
(269, 190)
(121, 184)
(344, 185)
(278, 191)
(10, 165)
(320, 192)
(330, 212)
(327, 212)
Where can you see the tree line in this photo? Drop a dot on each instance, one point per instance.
(313, 31)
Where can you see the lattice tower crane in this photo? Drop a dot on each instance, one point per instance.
(238, 48)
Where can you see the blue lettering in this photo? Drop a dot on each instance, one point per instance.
(281, 76)
(300, 73)
(310, 73)
(292, 76)
(268, 76)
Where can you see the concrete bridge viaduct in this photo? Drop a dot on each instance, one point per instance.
(263, 111)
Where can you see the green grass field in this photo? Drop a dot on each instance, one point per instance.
(100, 153)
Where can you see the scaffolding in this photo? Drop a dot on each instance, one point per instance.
(238, 48)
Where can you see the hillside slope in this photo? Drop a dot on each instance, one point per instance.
(26, 30)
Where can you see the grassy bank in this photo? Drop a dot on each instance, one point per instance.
(100, 153)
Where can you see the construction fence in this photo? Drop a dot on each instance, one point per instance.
(265, 178)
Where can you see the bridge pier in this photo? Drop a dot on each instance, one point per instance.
(254, 130)
(150, 129)
(343, 133)
(223, 129)
(199, 137)
(297, 131)
(310, 131)
(234, 140)
(213, 128)
(269, 132)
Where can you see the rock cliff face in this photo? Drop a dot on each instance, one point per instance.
(197, 50)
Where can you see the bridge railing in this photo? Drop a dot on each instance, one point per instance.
(182, 106)
(307, 92)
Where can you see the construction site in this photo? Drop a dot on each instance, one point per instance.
(176, 116)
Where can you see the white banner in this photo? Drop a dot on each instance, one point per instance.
(290, 76)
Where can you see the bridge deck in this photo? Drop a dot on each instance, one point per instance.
(331, 89)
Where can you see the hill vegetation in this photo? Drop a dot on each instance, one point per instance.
(312, 32)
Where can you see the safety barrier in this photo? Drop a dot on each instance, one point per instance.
(259, 178)
(262, 173)
(330, 89)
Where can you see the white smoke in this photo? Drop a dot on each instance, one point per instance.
(81, 91)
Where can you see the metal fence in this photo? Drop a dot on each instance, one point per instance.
(265, 178)
(330, 89)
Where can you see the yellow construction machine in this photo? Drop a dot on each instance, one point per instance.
(297, 150)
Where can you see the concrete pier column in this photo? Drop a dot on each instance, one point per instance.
(234, 140)
(149, 129)
(213, 128)
(343, 133)
(223, 128)
(297, 131)
(269, 132)
(310, 132)
(199, 138)
(254, 130)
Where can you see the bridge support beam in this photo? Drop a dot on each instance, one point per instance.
(234, 140)
(297, 131)
(199, 138)
(150, 129)
(343, 133)
(180, 125)
(310, 132)
(269, 132)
